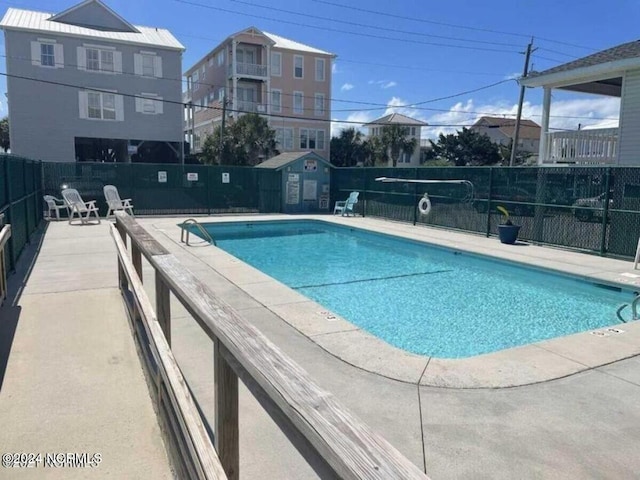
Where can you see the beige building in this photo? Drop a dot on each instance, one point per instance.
(500, 130)
(414, 130)
(255, 71)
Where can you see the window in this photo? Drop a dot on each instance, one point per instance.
(147, 64)
(47, 53)
(211, 61)
(276, 101)
(221, 94)
(220, 58)
(276, 64)
(47, 57)
(320, 69)
(304, 138)
(311, 139)
(298, 66)
(99, 60)
(318, 108)
(298, 102)
(413, 131)
(196, 80)
(284, 138)
(149, 104)
(101, 106)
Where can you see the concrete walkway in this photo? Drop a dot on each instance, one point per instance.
(70, 377)
(74, 383)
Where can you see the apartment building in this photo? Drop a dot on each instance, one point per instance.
(86, 85)
(255, 71)
(414, 131)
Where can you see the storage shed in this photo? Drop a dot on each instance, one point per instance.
(304, 178)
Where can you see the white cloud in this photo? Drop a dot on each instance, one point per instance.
(334, 68)
(512, 76)
(346, 87)
(353, 120)
(384, 84)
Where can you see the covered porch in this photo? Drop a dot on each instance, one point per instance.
(614, 72)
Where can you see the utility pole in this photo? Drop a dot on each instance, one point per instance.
(224, 115)
(516, 132)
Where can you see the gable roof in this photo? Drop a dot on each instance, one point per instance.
(67, 16)
(616, 59)
(528, 129)
(33, 21)
(285, 43)
(280, 161)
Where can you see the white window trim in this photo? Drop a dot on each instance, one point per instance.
(36, 53)
(138, 64)
(316, 112)
(324, 69)
(83, 100)
(279, 54)
(157, 102)
(294, 67)
(273, 106)
(82, 59)
(301, 112)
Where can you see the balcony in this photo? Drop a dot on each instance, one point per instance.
(595, 146)
(249, 69)
(251, 107)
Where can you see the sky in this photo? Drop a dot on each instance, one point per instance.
(446, 63)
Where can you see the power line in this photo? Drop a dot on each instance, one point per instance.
(453, 25)
(377, 27)
(360, 34)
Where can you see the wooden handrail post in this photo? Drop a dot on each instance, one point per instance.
(136, 259)
(163, 306)
(122, 278)
(227, 440)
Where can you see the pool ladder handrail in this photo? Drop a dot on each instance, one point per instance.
(634, 309)
(201, 229)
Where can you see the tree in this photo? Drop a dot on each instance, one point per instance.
(247, 141)
(4, 134)
(394, 138)
(378, 152)
(349, 148)
(466, 147)
(522, 157)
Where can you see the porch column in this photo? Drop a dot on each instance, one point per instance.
(234, 79)
(267, 102)
(544, 125)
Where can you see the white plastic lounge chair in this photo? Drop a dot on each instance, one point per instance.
(114, 202)
(79, 206)
(55, 205)
(345, 207)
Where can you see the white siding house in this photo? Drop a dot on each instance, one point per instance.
(614, 72)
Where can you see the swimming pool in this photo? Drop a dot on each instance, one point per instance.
(423, 299)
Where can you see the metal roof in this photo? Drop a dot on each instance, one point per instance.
(29, 20)
(281, 42)
(397, 118)
(284, 159)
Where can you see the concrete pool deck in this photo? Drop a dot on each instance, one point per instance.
(586, 425)
(534, 363)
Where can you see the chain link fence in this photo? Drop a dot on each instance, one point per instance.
(20, 202)
(595, 209)
(169, 189)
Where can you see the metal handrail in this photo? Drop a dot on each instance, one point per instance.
(201, 229)
(634, 310)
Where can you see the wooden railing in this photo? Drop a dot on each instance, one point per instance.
(324, 431)
(582, 146)
(5, 235)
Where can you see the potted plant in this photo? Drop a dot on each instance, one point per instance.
(507, 231)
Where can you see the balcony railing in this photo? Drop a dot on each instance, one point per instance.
(250, 69)
(251, 107)
(583, 146)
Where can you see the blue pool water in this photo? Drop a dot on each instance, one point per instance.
(420, 298)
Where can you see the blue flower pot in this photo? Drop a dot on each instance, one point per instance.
(508, 233)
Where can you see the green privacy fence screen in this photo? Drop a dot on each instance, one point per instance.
(20, 201)
(164, 189)
(596, 209)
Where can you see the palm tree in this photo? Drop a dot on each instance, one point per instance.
(348, 149)
(394, 137)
